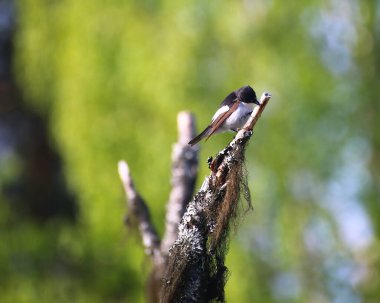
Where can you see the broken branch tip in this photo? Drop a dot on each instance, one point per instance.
(123, 170)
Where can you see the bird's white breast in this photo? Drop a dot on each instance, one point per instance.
(238, 117)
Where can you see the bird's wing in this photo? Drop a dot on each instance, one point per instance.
(219, 112)
(218, 121)
(225, 105)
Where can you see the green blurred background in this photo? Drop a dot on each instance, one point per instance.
(86, 83)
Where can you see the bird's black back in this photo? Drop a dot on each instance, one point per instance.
(229, 100)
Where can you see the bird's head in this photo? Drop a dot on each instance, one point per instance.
(246, 94)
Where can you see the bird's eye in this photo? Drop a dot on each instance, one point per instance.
(266, 94)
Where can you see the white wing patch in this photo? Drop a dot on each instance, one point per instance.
(220, 111)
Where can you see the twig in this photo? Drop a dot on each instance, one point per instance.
(256, 114)
(140, 211)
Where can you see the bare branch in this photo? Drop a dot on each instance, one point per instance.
(184, 174)
(140, 212)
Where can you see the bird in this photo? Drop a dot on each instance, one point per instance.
(232, 114)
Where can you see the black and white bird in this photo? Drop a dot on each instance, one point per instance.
(232, 114)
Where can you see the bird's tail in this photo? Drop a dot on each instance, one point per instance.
(202, 135)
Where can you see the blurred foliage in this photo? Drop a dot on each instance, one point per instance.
(110, 78)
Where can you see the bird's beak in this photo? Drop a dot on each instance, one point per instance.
(256, 102)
